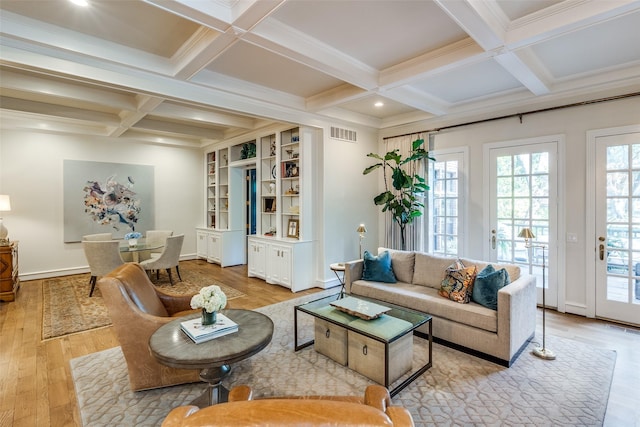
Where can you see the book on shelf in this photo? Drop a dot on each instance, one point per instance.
(193, 328)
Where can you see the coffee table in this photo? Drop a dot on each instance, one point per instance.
(392, 331)
(172, 347)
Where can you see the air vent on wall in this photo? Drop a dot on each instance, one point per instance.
(343, 134)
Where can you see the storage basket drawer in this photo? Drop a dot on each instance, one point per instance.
(367, 357)
(331, 340)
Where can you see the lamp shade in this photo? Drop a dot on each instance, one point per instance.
(361, 229)
(5, 203)
(526, 233)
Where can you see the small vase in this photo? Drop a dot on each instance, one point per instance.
(209, 318)
(133, 242)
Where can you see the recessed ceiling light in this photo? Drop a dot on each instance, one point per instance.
(83, 3)
(378, 104)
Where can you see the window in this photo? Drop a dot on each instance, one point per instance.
(445, 204)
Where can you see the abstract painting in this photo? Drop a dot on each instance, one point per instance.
(102, 197)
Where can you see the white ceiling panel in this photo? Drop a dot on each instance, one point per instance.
(245, 61)
(610, 44)
(515, 9)
(130, 23)
(377, 33)
(465, 84)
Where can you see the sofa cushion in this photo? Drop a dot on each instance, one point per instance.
(402, 263)
(488, 282)
(378, 268)
(430, 270)
(512, 269)
(458, 282)
(426, 299)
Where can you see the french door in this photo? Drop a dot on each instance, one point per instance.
(617, 223)
(522, 183)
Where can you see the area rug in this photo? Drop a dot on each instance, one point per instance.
(458, 390)
(67, 307)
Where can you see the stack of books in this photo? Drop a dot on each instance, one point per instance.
(199, 334)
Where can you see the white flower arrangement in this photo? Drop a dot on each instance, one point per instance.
(133, 235)
(210, 298)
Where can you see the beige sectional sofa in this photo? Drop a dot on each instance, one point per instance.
(498, 335)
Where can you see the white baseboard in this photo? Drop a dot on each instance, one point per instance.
(575, 308)
(326, 284)
(39, 275)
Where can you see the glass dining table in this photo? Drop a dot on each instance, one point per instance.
(136, 250)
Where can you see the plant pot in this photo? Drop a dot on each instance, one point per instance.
(133, 242)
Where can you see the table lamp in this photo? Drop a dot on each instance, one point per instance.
(542, 352)
(5, 206)
(361, 230)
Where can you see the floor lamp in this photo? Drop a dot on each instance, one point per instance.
(542, 352)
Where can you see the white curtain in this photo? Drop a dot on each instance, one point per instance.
(414, 231)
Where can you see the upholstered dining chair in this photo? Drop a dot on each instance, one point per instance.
(372, 409)
(168, 259)
(155, 238)
(126, 257)
(137, 309)
(103, 256)
(98, 236)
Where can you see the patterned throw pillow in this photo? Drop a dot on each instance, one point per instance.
(458, 283)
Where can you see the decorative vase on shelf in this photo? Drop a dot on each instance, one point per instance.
(133, 242)
(209, 318)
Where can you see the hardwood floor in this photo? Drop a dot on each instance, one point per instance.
(36, 388)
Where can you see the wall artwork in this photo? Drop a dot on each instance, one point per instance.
(107, 198)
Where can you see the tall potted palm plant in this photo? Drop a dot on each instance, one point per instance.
(405, 200)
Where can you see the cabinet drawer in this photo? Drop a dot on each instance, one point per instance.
(331, 340)
(367, 357)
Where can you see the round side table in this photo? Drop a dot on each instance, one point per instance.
(337, 268)
(172, 347)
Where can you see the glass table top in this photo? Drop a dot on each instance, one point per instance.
(392, 324)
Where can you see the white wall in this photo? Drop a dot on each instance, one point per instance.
(31, 173)
(347, 199)
(573, 123)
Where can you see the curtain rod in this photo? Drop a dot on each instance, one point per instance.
(520, 115)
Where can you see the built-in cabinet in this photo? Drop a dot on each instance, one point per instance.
(281, 250)
(220, 247)
(289, 264)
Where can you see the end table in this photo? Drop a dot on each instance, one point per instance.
(336, 268)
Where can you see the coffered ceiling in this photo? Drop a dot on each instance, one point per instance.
(194, 72)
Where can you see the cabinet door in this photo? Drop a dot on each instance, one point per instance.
(279, 265)
(285, 266)
(201, 244)
(213, 247)
(257, 259)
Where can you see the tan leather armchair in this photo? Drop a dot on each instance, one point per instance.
(374, 409)
(137, 310)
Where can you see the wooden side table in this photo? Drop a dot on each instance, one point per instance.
(171, 347)
(336, 268)
(9, 280)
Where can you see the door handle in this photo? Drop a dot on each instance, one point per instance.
(601, 252)
(493, 238)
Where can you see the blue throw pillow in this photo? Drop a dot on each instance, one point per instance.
(378, 268)
(488, 282)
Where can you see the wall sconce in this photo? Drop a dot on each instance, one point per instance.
(5, 206)
(362, 231)
(542, 352)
